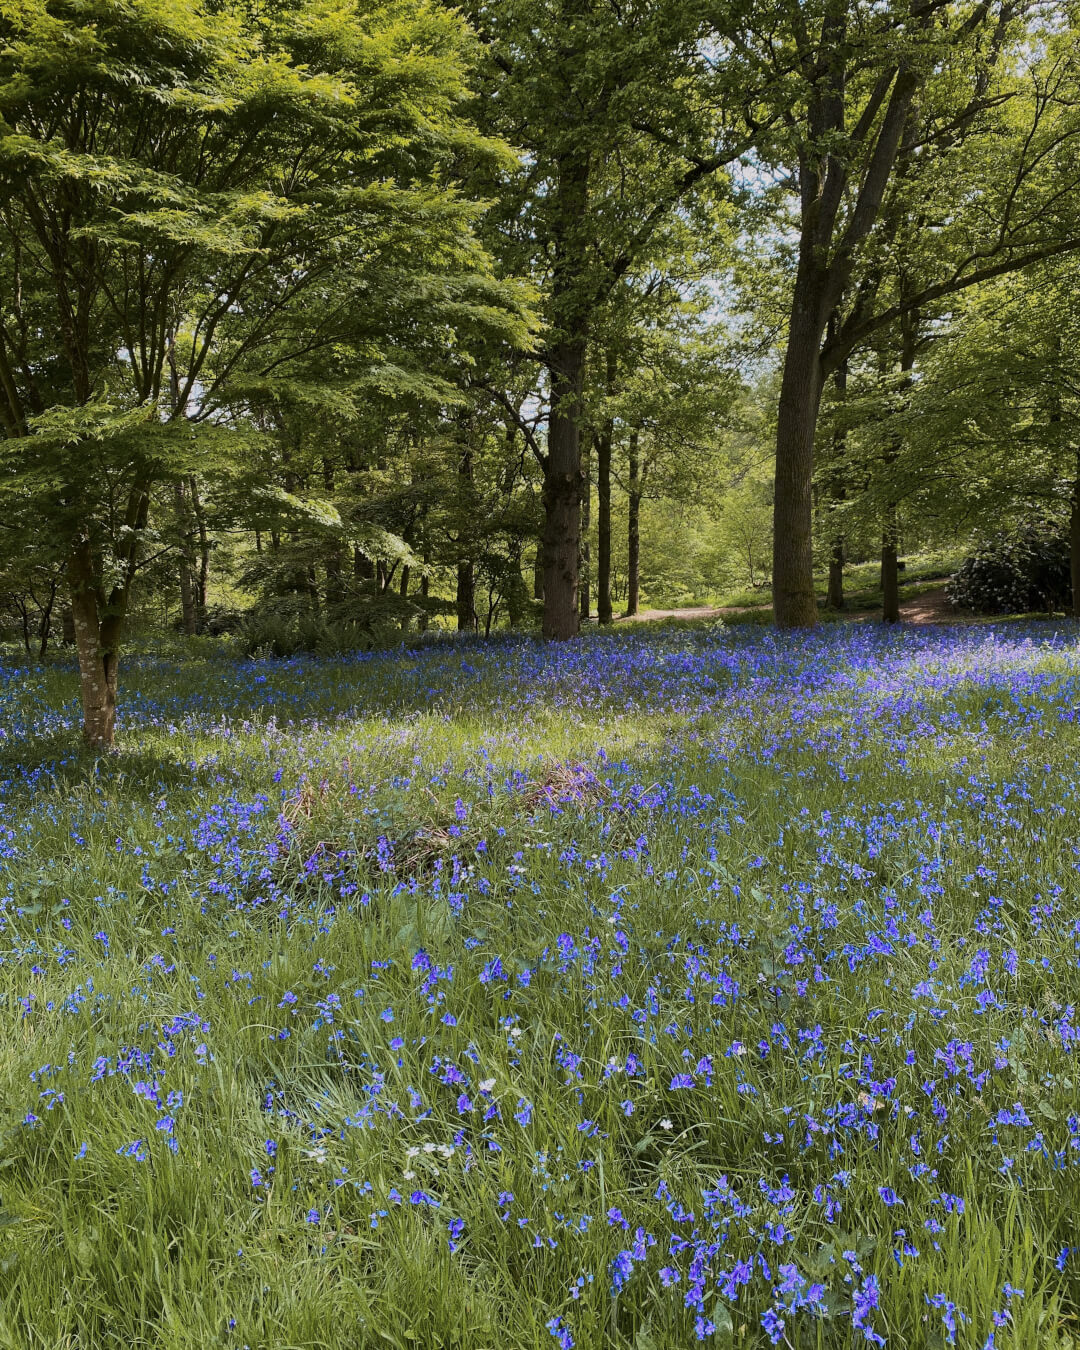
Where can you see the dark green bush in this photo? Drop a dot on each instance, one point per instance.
(1015, 573)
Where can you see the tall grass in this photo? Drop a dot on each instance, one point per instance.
(658, 987)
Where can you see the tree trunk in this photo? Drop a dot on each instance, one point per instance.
(562, 493)
(99, 620)
(97, 667)
(538, 572)
(837, 492)
(603, 506)
(24, 617)
(187, 586)
(335, 556)
(571, 303)
(584, 586)
(794, 602)
(45, 625)
(1074, 540)
(425, 591)
(633, 527)
(890, 572)
(203, 582)
(890, 576)
(835, 597)
(516, 591)
(467, 621)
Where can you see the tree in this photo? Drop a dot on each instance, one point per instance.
(620, 112)
(856, 91)
(176, 180)
(986, 438)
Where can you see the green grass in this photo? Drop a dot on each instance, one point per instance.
(680, 846)
(923, 572)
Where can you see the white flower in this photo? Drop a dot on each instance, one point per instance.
(487, 1084)
(409, 1175)
(316, 1154)
(665, 1124)
(412, 1152)
(430, 1148)
(516, 1032)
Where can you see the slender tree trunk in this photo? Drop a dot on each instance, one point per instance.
(45, 624)
(1074, 540)
(203, 583)
(425, 591)
(633, 527)
(516, 591)
(538, 572)
(603, 505)
(24, 617)
(794, 602)
(335, 557)
(890, 572)
(467, 620)
(584, 587)
(837, 493)
(835, 596)
(187, 586)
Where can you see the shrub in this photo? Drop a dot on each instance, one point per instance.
(1015, 573)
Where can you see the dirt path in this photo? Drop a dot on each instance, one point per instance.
(930, 607)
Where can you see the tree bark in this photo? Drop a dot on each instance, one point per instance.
(794, 602)
(1074, 540)
(837, 492)
(24, 618)
(565, 361)
(562, 493)
(835, 597)
(203, 583)
(890, 575)
(633, 527)
(603, 505)
(585, 579)
(467, 621)
(99, 620)
(45, 625)
(97, 666)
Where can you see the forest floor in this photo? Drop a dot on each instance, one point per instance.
(932, 606)
(674, 985)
